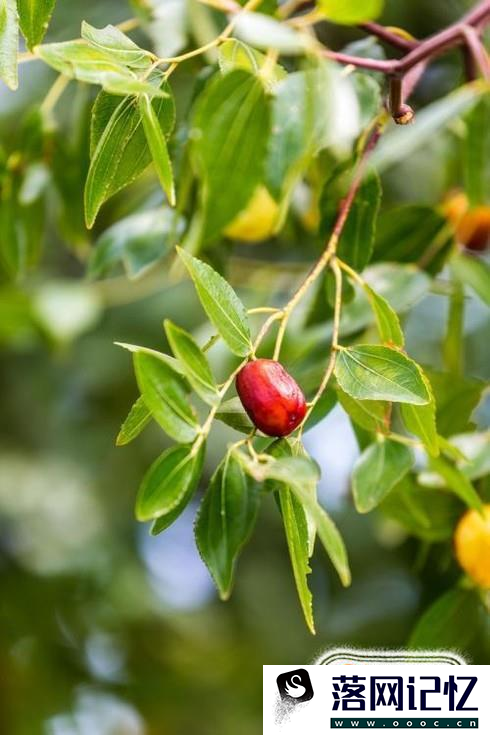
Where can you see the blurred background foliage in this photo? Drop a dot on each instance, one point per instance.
(104, 629)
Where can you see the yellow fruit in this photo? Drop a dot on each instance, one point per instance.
(472, 545)
(257, 221)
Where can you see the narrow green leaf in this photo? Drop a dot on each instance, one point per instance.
(421, 421)
(232, 414)
(292, 139)
(164, 394)
(409, 233)
(138, 417)
(379, 468)
(386, 319)
(158, 147)
(369, 415)
(477, 153)
(193, 361)
(34, 17)
(296, 529)
(328, 533)
(172, 363)
(473, 272)
(79, 60)
(225, 521)
(137, 242)
(351, 12)
(169, 484)
(456, 398)
(426, 514)
(299, 473)
(9, 41)
(265, 32)
(456, 481)
(450, 622)
(234, 54)
(230, 133)
(374, 372)
(114, 42)
(119, 150)
(221, 304)
(357, 239)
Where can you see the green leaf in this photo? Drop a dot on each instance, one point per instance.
(357, 239)
(411, 233)
(80, 60)
(34, 17)
(158, 147)
(265, 32)
(193, 361)
(232, 414)
(221, 304)
(477, 153)
(230, 133)
(119, 151)
(9, 41)
(373, 372)
(225, 521)
(421, 421)
(164, 394)
(299, 474)
(138, 417)
(456, 481)
(427, 514)
(473, 272)
(451, 622)
(401, 285)
(296, 529)
(119, 46)
(369, 415)
(351, 12)
(171, 362)
(386, 319)
(234, 54)
(456, 398)
(401, 141)
(292, 140)
(327, 531)
(21, 226)
(379, 468)
(169, 484)
(137, 241)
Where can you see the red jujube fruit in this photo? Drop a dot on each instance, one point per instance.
(271, 397)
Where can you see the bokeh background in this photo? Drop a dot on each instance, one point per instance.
(104, 629)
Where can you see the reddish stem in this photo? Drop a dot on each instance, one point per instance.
(454, 35)
(384, 34)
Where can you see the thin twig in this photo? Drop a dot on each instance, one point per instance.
(477, 50)
(332, 242)
(389, 35)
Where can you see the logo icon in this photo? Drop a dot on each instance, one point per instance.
(295, 686)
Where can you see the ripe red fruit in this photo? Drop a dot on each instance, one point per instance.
(271, 397)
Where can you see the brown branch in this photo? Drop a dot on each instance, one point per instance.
(454, 35)
(389, 36)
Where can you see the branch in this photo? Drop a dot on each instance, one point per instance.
(333, 240)
(389, 36)
(454, 35)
